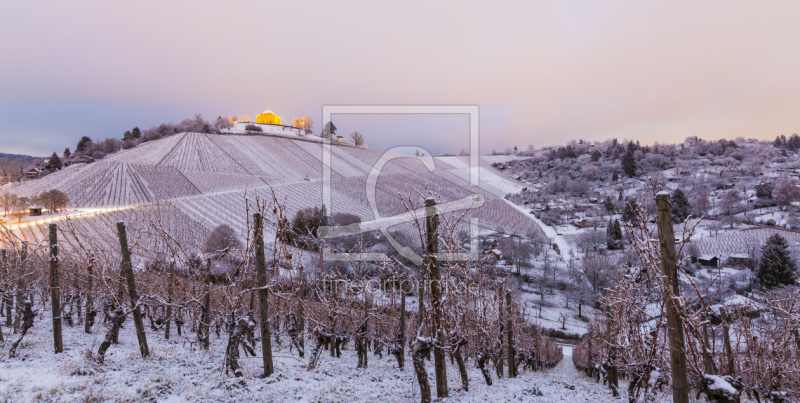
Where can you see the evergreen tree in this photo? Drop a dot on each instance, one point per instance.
(614, 177)
(613, 235)
(136, 133)
(610, 235)
(608, 204)
(596, 155)
(680, 206)
(54, 162)
(127, 136)
(329, 131)
(776, 266)
(793, 143)
(629, 163)
(67, 153)
(83, 144)
(764, 190)
(631, 212)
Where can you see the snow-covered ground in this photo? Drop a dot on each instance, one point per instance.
(179, 371)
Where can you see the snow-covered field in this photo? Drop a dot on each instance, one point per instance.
(178, 371)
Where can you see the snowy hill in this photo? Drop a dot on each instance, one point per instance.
(204, 180)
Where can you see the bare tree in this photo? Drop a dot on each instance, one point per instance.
(786, 191)
(8, 201)
(221, 240)
(598, 270)
(53, 200)
(358, 138)
(591, 240)
(517, 249)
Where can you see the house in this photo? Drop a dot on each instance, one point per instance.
(495, 254)
(35, 211)
(706, 260)
(580, 223)
(33, 173)
(340, 139)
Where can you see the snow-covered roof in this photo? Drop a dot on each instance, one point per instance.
(736, 300)
(706, 257)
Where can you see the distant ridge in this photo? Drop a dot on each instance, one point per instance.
(26, 158)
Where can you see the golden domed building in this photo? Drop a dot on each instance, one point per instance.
(268, 118)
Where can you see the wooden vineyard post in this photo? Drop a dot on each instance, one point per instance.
(89, 320)
(512, 368)
(666, 236)
(127, 269)
(120, 296)
(500, 311)
(301, 321)
(3, 292)
(169, 298)
(432, 245)
(730, 364)
(7, 298)
(263, 294)
(55, 290)
(708, 359)
(23, 260)
(401, 335)
(205, 318)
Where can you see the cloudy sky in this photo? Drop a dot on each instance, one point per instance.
(542, 72)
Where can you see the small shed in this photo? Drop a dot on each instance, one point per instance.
(33, 173)
(708, 260)
(35, 211)
(495, 254)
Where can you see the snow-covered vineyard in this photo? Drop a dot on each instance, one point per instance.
(180, 371)
(208, 178)
(189, 267)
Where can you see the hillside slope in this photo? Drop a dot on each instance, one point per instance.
(206, 180)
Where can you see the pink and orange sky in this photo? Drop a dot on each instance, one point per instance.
(542, 72)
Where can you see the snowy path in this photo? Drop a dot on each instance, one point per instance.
(550, 232)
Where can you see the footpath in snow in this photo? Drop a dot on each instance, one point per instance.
(550, 232)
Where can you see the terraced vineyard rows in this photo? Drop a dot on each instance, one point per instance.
(207, 178)
(725, 243)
